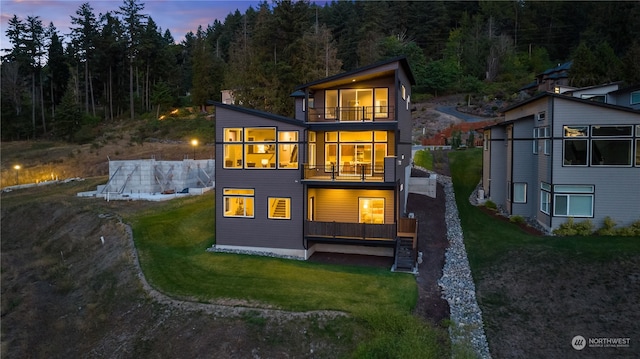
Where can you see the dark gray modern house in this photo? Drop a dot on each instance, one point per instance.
(575, 154)
(332, 179)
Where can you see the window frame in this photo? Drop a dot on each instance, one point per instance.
(288, 211)
(227, 195)
(545, 198)
(573, 191)
(518, 199)
(360, 213)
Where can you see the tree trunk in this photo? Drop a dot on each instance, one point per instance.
(86, 86)
(93, 101)
(33, 103)
(110, 94)
(42, 110)
(131, 89)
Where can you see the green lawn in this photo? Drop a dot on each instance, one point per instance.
(488, 240)
(172, 243)
(172, 240)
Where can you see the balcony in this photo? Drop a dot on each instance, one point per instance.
(352, 114)
(345, 231)
(352, 172)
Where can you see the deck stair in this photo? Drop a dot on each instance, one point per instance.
(404, 255)
(406, 246)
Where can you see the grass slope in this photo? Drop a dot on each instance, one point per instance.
(172, 241)
(537, 292)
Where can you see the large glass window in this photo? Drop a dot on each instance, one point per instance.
(279, 208)
(331, 104)
(573, 201)
(238, 202)
(330, 156)
(575, 152)
(635, 98)
(381, 106)
(288, 152)
(371, 210)
(575, 145)
(232, 152)
(607, 151)
(610, 152)
(233, 156)
(263, 147)
(312, 149)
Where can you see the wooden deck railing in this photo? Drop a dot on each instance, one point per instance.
(350, 230)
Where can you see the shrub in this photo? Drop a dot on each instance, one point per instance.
(491, 205)
(571, 228)
(632, 231)
(517, 219)
(607, 228)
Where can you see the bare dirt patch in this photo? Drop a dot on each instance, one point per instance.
(534, 302)
(67, 295)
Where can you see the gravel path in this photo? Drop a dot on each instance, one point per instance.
(457, 283)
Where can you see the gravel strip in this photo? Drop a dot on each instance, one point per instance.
(457, 283)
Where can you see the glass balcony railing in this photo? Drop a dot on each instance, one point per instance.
(361, 172)
(351, 114)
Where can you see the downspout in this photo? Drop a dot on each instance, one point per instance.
(551, 204)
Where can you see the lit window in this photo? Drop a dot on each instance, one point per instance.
(331, 104)
(573, 201)
(238, 202)
(233, 156)
(288, 155)
(260, 150)
(330, 151)
(403, 91)
(312, 155)
(381, 98)
(288, 136)
(279, 208)
(380, 136)
(232, 135)
(371, 210)
(519, 192)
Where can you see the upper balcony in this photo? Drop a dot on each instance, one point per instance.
(358, 172)
(352, 114)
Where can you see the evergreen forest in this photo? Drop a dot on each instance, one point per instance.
(122, 65)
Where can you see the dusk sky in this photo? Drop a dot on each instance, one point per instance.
(179, 16)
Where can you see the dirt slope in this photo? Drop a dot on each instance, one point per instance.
(67, 295)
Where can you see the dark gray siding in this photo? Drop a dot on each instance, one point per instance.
(259, 231)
